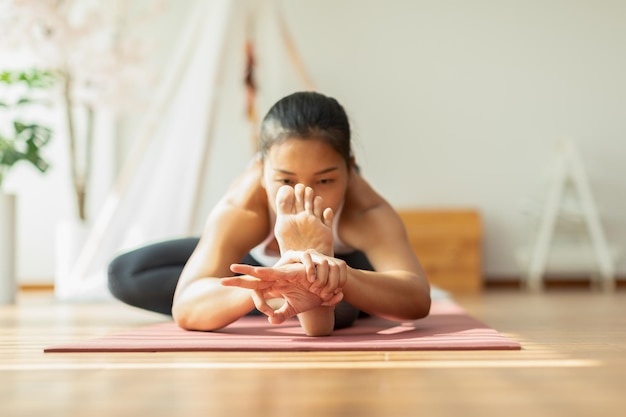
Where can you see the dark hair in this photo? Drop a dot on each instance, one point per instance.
(307, 115)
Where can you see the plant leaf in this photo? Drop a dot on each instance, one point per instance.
(24, 100)
(19, 126)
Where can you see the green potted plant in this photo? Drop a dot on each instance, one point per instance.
(23, 140)
(97, 51)
(20, 141)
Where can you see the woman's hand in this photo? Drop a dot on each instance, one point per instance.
(326, 274)
(305, 280)
(322, 275)
(287, 282)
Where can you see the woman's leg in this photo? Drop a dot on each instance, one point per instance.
(146, 277)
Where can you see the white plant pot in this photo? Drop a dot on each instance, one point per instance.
(70, 239)
(8, 280)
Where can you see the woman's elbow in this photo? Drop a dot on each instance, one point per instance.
(421, 306)
(424, 309)
(182, 317)
(193, 317)
(187, 319)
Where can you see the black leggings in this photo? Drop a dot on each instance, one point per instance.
(146, 277)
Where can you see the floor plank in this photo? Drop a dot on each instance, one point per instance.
(573, 363)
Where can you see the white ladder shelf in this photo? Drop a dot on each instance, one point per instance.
(569, 172)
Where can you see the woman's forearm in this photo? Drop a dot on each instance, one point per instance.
(207, 305)
(395, 295)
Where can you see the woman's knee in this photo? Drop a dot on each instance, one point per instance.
(118, 276)
(126, 267)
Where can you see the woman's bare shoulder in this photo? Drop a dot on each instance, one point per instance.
(246, 191)
(361, 197)
(243, 207)
(365, 206)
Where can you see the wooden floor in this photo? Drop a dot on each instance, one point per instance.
(573, 363)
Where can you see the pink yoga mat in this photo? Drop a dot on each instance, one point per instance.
(448, 327)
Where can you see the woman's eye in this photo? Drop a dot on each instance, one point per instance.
(284, 181)
(325, 181)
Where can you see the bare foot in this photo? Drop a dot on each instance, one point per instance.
(302, 222)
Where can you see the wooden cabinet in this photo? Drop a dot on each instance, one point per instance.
(448, 244)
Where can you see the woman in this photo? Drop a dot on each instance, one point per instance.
(299, 233)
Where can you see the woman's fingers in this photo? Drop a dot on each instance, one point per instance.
(309, 267)
(266, 273)
(261, 304)
(241, 268)
(321, 276)
(334, 300)
(243, 281)
(281, 314)
(297, 274)
(332, 284)
(330, 277)
(305, 258)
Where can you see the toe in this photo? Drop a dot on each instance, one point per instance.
(309, 197)
(285, 200)
(299, 193)
(318, 206)
(328, 217)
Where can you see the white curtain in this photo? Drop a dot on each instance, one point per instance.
(155, 196)
(183, 158)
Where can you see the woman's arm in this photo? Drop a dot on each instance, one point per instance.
(236, 224)
(200, 302)
(398, 288)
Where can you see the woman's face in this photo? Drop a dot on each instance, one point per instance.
(311, 162)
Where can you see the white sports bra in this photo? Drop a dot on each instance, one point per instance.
(268, 257)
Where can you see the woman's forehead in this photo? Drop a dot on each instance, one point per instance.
(296, 145)
(304, 156)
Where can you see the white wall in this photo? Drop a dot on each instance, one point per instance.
(453, 104)
(458, 103)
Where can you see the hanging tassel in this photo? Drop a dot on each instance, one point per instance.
(250, 83)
